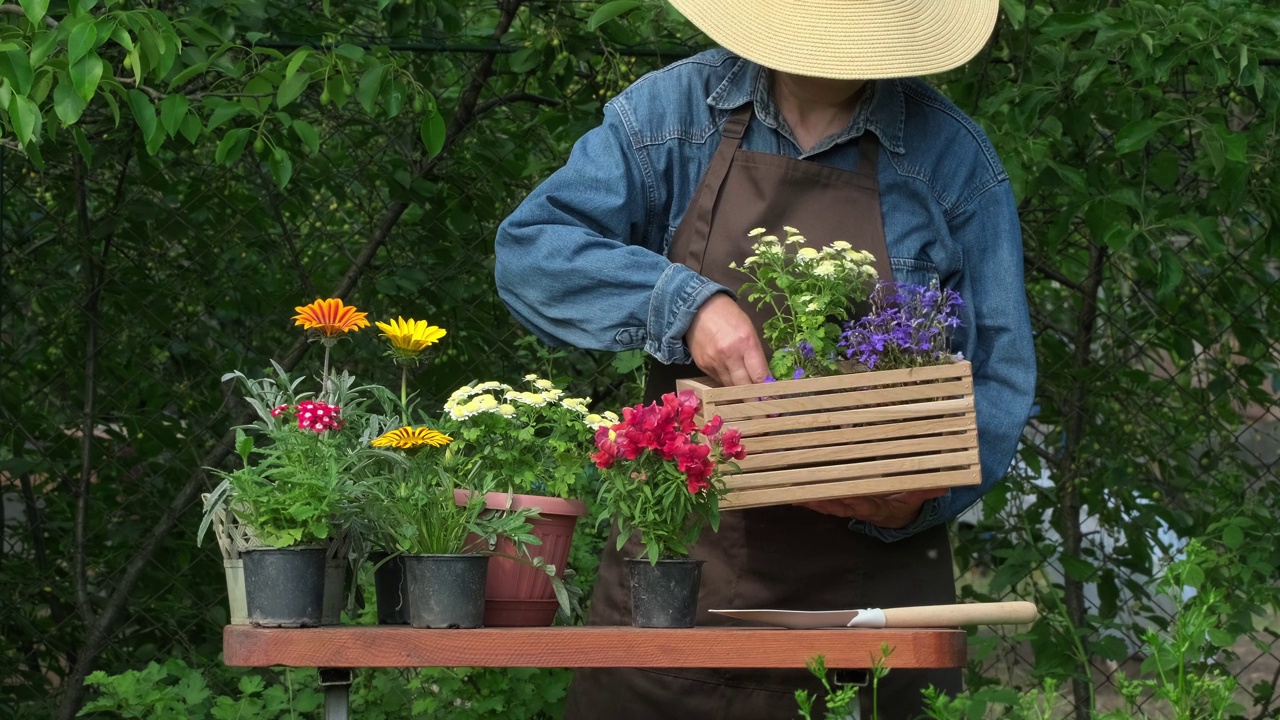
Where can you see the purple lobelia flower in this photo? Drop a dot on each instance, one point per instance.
(909, 326)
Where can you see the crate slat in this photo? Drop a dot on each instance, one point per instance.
(850, 471)
(845, 399)
(861, 416)
(789, 495)
(821, 438)
(852, 451)
(804, 386)
(848, 435)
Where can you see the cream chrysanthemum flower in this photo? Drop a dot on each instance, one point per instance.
(542, 384)
(756, 232)
(826, 268)
(578, 404)
(806, 253)
(507, 410)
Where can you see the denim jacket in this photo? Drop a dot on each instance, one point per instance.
(582, 261)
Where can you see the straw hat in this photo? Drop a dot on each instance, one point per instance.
(847, 39)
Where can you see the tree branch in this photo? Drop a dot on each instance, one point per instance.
(16, 10)
(92, 277)
(488, 105)
(97, 636)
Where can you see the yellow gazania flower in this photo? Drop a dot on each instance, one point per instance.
(410, 438)
(410, 337)
(330, 316)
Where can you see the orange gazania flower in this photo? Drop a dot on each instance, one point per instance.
(330, 316)
(410, 438)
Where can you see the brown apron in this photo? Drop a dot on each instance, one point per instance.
(775, 557)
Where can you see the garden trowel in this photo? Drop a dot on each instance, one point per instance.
(925, 616)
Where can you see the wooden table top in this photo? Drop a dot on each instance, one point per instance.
(592, 646)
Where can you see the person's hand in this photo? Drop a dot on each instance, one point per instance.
(894, 510)
(724, 343)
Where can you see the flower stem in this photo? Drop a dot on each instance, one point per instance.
(404, 396)
(324, 374)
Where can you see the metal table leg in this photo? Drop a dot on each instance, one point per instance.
(337, 692)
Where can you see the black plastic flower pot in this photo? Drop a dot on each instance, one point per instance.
(284, 587)
(664, 595)
(389, 587)
(446, 591)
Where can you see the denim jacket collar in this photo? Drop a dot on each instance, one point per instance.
(881, 110)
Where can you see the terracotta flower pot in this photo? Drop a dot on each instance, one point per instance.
(517, 594)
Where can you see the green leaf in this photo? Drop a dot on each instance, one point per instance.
(222, 112)
(1078, 569)
(190, 128)
(1232, 536)
(351, 52)
(308, 135)
(86, 74)
(1135, 135)
(25, 118)
(34, 9)
(370, 85)
(1016, 10)
(1220, 638)
(16, 67)
(231, 147)
(84, 37)
(67, 103)
(143, 112)
(114, 107)
(43, 46)
(1170, 273)
(1235, 143)
(299, 56)
(432, 131)
(293, 86)
(82, 142)
(122, 38)
(393, 97)
(172, 111)
(281, 167)
(611, 10)
(525, 59)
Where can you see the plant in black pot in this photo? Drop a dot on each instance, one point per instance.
(286, 507)
(442, 537)
(662, 481)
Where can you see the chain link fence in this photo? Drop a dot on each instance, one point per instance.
(132, 283)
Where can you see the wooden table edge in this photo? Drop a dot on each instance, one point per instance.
(590, 646)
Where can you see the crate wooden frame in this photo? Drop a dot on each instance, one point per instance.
(846, 435)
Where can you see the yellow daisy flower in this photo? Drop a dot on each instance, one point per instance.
(410, 438)
(410, 337)
(330, 316)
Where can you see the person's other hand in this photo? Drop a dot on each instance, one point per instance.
(724, 343)
(894, 510)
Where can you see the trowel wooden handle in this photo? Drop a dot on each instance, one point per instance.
(999, 613)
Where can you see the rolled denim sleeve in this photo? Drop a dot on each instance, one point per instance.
(579, 261)
(996, 338)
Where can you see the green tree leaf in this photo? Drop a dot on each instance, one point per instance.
(67, 103)
(34, 9)
(25, 118)
(143, 112)
(281, 167)
(306, 132)
(86, 74)
(16, 68)
(292, 87)
(1233, 536)
(432, 131)
(1134, 136)
(172, 111)
(191, 128)
(370, 86)
(231, 147)
(84, 37)
(611, 10)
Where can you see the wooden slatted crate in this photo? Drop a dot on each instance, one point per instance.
(845, 435)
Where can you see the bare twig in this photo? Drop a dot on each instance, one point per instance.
(286, 232)
(488, 105)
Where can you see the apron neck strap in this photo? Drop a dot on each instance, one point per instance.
(868, 154)
(705, 200)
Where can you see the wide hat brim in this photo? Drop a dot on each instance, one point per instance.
(847, 39)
